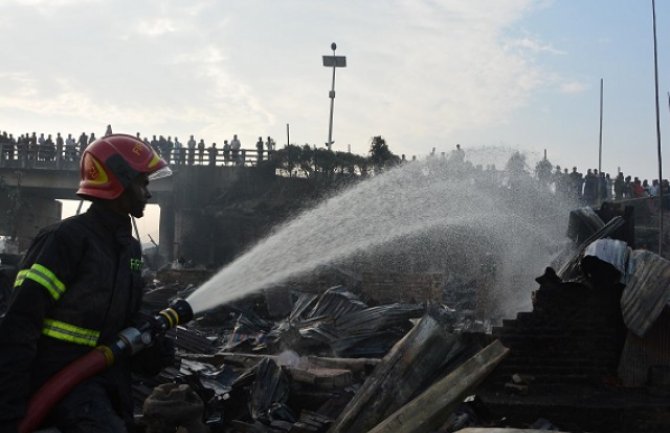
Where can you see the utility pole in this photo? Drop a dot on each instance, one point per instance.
(658, 137)
(600, 143)
(335, 62)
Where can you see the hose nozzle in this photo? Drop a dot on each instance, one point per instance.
(135, 338)
(179, 311)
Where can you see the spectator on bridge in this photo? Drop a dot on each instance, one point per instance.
(7, 146)
(59, 147)
(30, 146)
(619, 185)
(201, 151)
(162, 147)
(665, 190)
(259, 149)
(610, 185)
(242, 159)
(226, 152)
(591, 187)
(155, 145)
(235, 146)
(457, 155)
(40, 147)
(576, 181)
(653, 189)
(638, 190)
(213, 151)
(169, 147)
(178, 152)
(191, 150)
(560, 182)
(22, 145)
(91, 138)
(50, 149)
(628, 187)
(567, 183)
(270, 145)
(83, 142)
(80, 283)
(602, 187)
(108, 131)
(70, 148)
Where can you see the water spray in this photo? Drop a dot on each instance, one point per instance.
(525, 220)
(130, 341)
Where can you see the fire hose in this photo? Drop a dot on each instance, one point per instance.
(130, 341)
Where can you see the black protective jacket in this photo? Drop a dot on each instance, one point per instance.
(78, 285)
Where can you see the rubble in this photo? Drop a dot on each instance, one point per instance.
(335, 363)
(171, 406)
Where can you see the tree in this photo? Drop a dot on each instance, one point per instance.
(543, 171)
(381, 156)
(288, 158)
(516, 165)
(516, 170)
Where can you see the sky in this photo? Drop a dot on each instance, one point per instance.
(487, 74)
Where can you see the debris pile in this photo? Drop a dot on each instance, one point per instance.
(591, 355)
(333, 364)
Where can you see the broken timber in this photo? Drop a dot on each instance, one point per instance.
(414, 360)
(355, 365)
(430, 410)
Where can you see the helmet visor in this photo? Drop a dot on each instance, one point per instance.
(161, 173)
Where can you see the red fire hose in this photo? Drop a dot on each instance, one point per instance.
(59, 385)
(129, 341)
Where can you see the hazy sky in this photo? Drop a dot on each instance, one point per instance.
(422, 73)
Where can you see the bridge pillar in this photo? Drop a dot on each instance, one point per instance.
(26, 215)
(167, 229)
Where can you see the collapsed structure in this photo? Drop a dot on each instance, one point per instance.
(592, 355)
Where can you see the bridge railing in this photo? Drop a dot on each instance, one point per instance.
(48, 157)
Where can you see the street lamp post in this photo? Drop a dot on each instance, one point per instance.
(335, 62)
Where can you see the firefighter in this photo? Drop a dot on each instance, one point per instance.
(78, 285)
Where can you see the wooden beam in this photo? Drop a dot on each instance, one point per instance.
(409, 365)
(431, 409)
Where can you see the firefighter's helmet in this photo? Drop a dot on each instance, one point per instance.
(111, 163)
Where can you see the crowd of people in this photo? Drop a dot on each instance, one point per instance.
(596, 186)
(590, 188)
(47, 148)
(197, 152)
(43, 147)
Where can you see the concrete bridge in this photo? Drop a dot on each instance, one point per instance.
(31, 184)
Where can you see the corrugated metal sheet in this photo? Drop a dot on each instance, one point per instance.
(610, 251)
(647, 291)
(641, 353)
(582, 223)
(570, 269)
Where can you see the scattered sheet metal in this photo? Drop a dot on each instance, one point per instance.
(249, 328)
(646, 293)
(583, 223)
(612, 251)
(570, 269)
(191, 340)
(337, 322)
(269, 394)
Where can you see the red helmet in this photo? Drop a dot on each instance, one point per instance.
(111, 163)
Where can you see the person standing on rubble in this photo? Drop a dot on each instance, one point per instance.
(79, 284)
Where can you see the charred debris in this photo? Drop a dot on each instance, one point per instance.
(333, 354)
